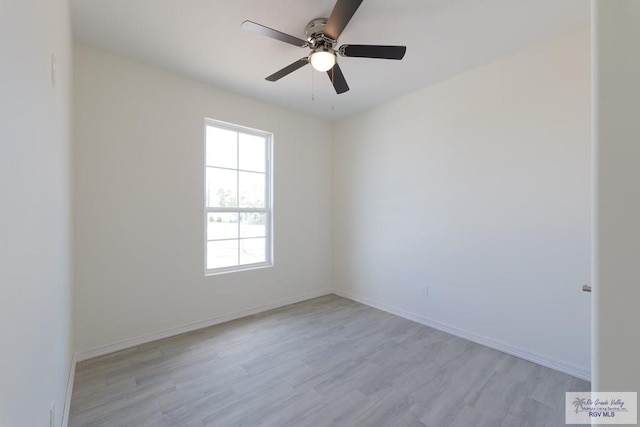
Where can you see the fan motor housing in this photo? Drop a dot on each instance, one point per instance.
(315, 34)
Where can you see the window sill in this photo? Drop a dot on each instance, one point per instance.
(238, 269)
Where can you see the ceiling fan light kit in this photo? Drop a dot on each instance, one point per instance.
(322, 38)
(322, 59)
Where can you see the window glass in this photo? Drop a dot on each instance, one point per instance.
(238, 213)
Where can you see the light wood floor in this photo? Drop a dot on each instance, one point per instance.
(324, 362)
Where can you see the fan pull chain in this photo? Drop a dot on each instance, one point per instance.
(313, 89)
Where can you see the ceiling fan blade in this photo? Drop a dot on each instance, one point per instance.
(340, 17)
(274, 34)
(338, 80)
(288, 69)
(372, 51)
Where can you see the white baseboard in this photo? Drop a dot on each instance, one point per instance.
(539, 359)
(167, 333)
(67, 398)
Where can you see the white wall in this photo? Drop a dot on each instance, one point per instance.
(479, 188)
(139, 183)
(617, 200)
(35, 284)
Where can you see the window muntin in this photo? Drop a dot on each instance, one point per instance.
(238, 214)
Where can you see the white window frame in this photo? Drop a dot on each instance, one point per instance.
(267, 210)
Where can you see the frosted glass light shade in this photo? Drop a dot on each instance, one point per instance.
(323, 60)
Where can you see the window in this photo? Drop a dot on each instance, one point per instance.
(237, 197)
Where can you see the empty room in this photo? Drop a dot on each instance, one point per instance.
(319, 213)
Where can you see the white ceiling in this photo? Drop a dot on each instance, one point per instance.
(202, 39)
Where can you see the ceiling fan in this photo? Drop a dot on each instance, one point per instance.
(322, 38)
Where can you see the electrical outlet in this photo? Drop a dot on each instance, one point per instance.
(424, 291)
(52, 415)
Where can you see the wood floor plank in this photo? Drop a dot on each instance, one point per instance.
(323, 362)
